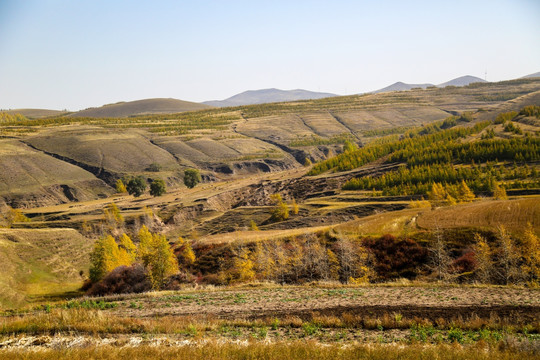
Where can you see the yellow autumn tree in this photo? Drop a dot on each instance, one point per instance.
(120, 187)
(264, 263)
(159, 260)
(482, 254)
(508, 257)
(333, 265)
(104, 258)
(294, 207)
(280, 212)
(243, 266)
(437, 195)
(464, 192)
(187, 256)
(530, 250)
(253, 226)
(499, 193)
(127, 250)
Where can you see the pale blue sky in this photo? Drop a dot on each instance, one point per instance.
(76, 54)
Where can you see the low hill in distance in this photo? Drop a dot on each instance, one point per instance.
(462, 81)
(535, 75)
(401, 86)
(37, 113)
(141, 107)
(268, 96)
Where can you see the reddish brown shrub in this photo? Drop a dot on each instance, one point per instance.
(122, 280)
(394, 258)
(465, 263)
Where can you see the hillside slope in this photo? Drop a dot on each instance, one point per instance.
(32, 178)
(38, 262)
(141, 107)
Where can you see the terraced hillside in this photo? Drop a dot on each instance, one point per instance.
(231, 142)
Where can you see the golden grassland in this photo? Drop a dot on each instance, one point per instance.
(283, 350)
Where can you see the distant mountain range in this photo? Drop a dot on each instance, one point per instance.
(168, 106)
(141, 107)
(460, 81)
(267, 96)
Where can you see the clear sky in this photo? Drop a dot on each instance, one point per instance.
(73, 54)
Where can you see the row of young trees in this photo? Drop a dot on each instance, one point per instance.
(417, 139)
(6, 117)
(420, 179)
(295, 260)
(136, 186)
(515, 149)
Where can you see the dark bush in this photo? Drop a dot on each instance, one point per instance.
(176, 281)
(394, 258)
(136, 186)
(122, 280)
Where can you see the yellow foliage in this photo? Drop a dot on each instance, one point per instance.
(531, 256)
(294, 207)
(418, 204)
(120, 187)
(113, 216)
(464, 193)
(145, 238)
(333, 263)
(482, 254)
(499, 193)
(450, 200)
(12, 216)
(281, 211)
(128, 250)
(186, 252)
(253, 226)
(437, 195)
(243, 266)
(159, 261)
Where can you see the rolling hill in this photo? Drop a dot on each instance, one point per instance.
(141, 107)
(268, 96)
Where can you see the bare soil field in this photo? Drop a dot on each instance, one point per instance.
(429, 302)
